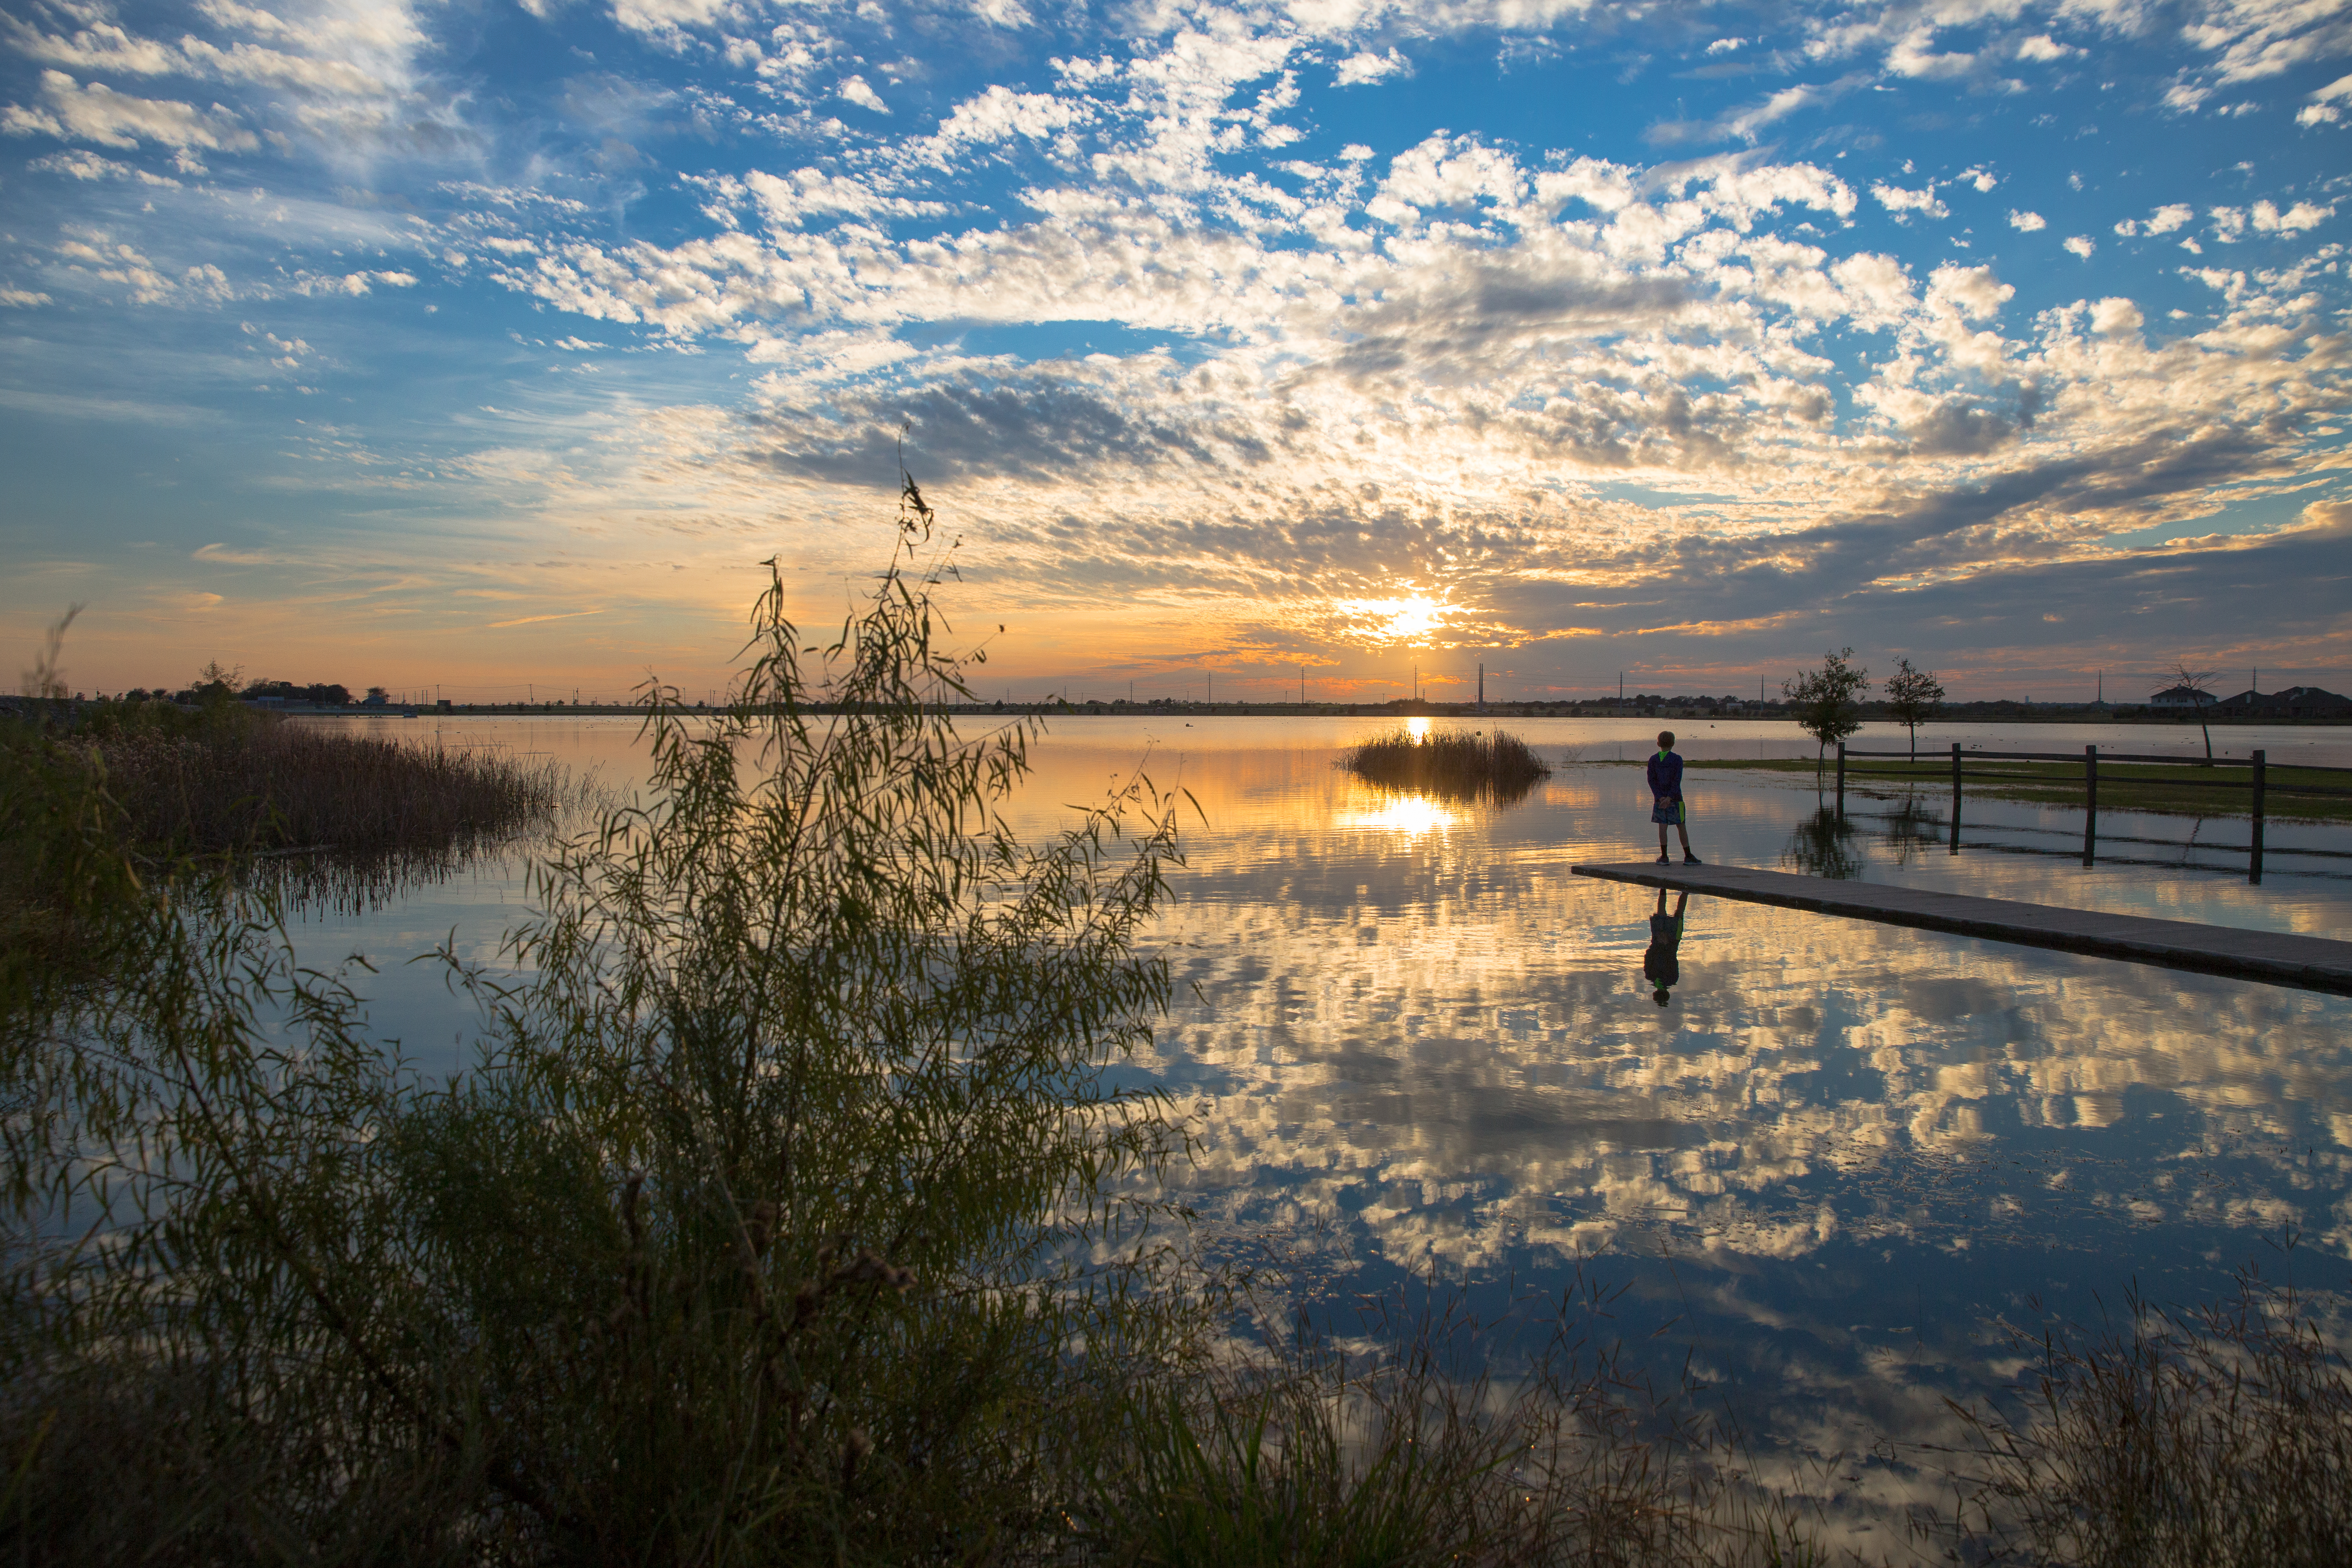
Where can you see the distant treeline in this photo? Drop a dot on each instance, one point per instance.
(323, 694)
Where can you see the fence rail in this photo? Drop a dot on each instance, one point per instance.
(2257, 782)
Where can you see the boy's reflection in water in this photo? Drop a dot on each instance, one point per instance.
(1659, 964)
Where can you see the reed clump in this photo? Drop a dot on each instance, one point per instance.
(226, 779)
(1456, 764)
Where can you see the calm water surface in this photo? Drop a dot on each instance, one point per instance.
(1833, 1168)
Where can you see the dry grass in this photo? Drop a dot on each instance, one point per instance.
(1411, 1451)
(254, 783)
(1457, 765)
(2214, 1436)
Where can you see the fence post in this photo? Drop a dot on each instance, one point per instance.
(1840, 807)
(2090, 803)
(1956, 797)
(2254, 844)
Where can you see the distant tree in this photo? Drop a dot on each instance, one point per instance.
(1914, 698)
(215, 684)
(2194, 681)
(1825, 701)
(378, 694)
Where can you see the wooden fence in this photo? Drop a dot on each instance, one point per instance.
(2257, 782)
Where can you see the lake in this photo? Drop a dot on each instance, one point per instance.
(1832, 1171)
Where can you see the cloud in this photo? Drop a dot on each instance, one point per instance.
(99, 113)
(1902, 202)
(90, 166)
(854, 90)
(2081, 244)
(1747, 123)
(2026, 222)
(535, 620)
(1367, 66)
(2163, 220)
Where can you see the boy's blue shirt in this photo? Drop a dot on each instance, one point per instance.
(1666, 776)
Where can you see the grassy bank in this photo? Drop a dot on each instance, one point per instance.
(1457, 765)
(2123, 786)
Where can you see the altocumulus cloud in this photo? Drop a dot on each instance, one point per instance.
(1294, 304)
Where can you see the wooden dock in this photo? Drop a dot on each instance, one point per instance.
(2309, 962)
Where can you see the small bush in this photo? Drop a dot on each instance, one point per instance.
(1456, 764)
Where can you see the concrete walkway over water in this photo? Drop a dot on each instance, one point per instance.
(2310, 963)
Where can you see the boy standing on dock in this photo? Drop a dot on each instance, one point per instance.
(1667, 793)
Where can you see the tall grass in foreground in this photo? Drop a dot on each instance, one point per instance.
(1456, 764)
(2217, 1436)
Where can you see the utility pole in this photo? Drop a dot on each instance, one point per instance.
(1481, 686)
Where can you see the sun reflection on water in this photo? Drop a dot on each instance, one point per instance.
(1410, 814)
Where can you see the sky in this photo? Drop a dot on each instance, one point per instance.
(488, 347)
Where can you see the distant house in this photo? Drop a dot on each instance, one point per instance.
(2295, 702)
(2181, 697)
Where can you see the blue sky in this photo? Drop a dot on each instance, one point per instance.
(491, 345)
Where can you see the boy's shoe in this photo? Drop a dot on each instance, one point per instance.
(1689, 859)
(1662, 858)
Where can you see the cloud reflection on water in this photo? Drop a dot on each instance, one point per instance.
(1423, 1041)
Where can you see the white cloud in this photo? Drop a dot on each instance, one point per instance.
(1914, 54)
(1001, 113)
(1747, 124)
(854, 90)
(2114, 318)
(2082, 245)
(99, 113)
(1902, 202)
(21, 299)
(2026, 222)
(1983, 179)
(2268, 219)
(1725, 46)
(1367, 66)
(2183, 98)
(82, 165)
(2042, 47)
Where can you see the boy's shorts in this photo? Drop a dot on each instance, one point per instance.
(1667, 813)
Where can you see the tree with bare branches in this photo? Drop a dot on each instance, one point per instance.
(2195, 683)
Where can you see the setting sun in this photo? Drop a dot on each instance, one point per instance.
(1406, 619)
